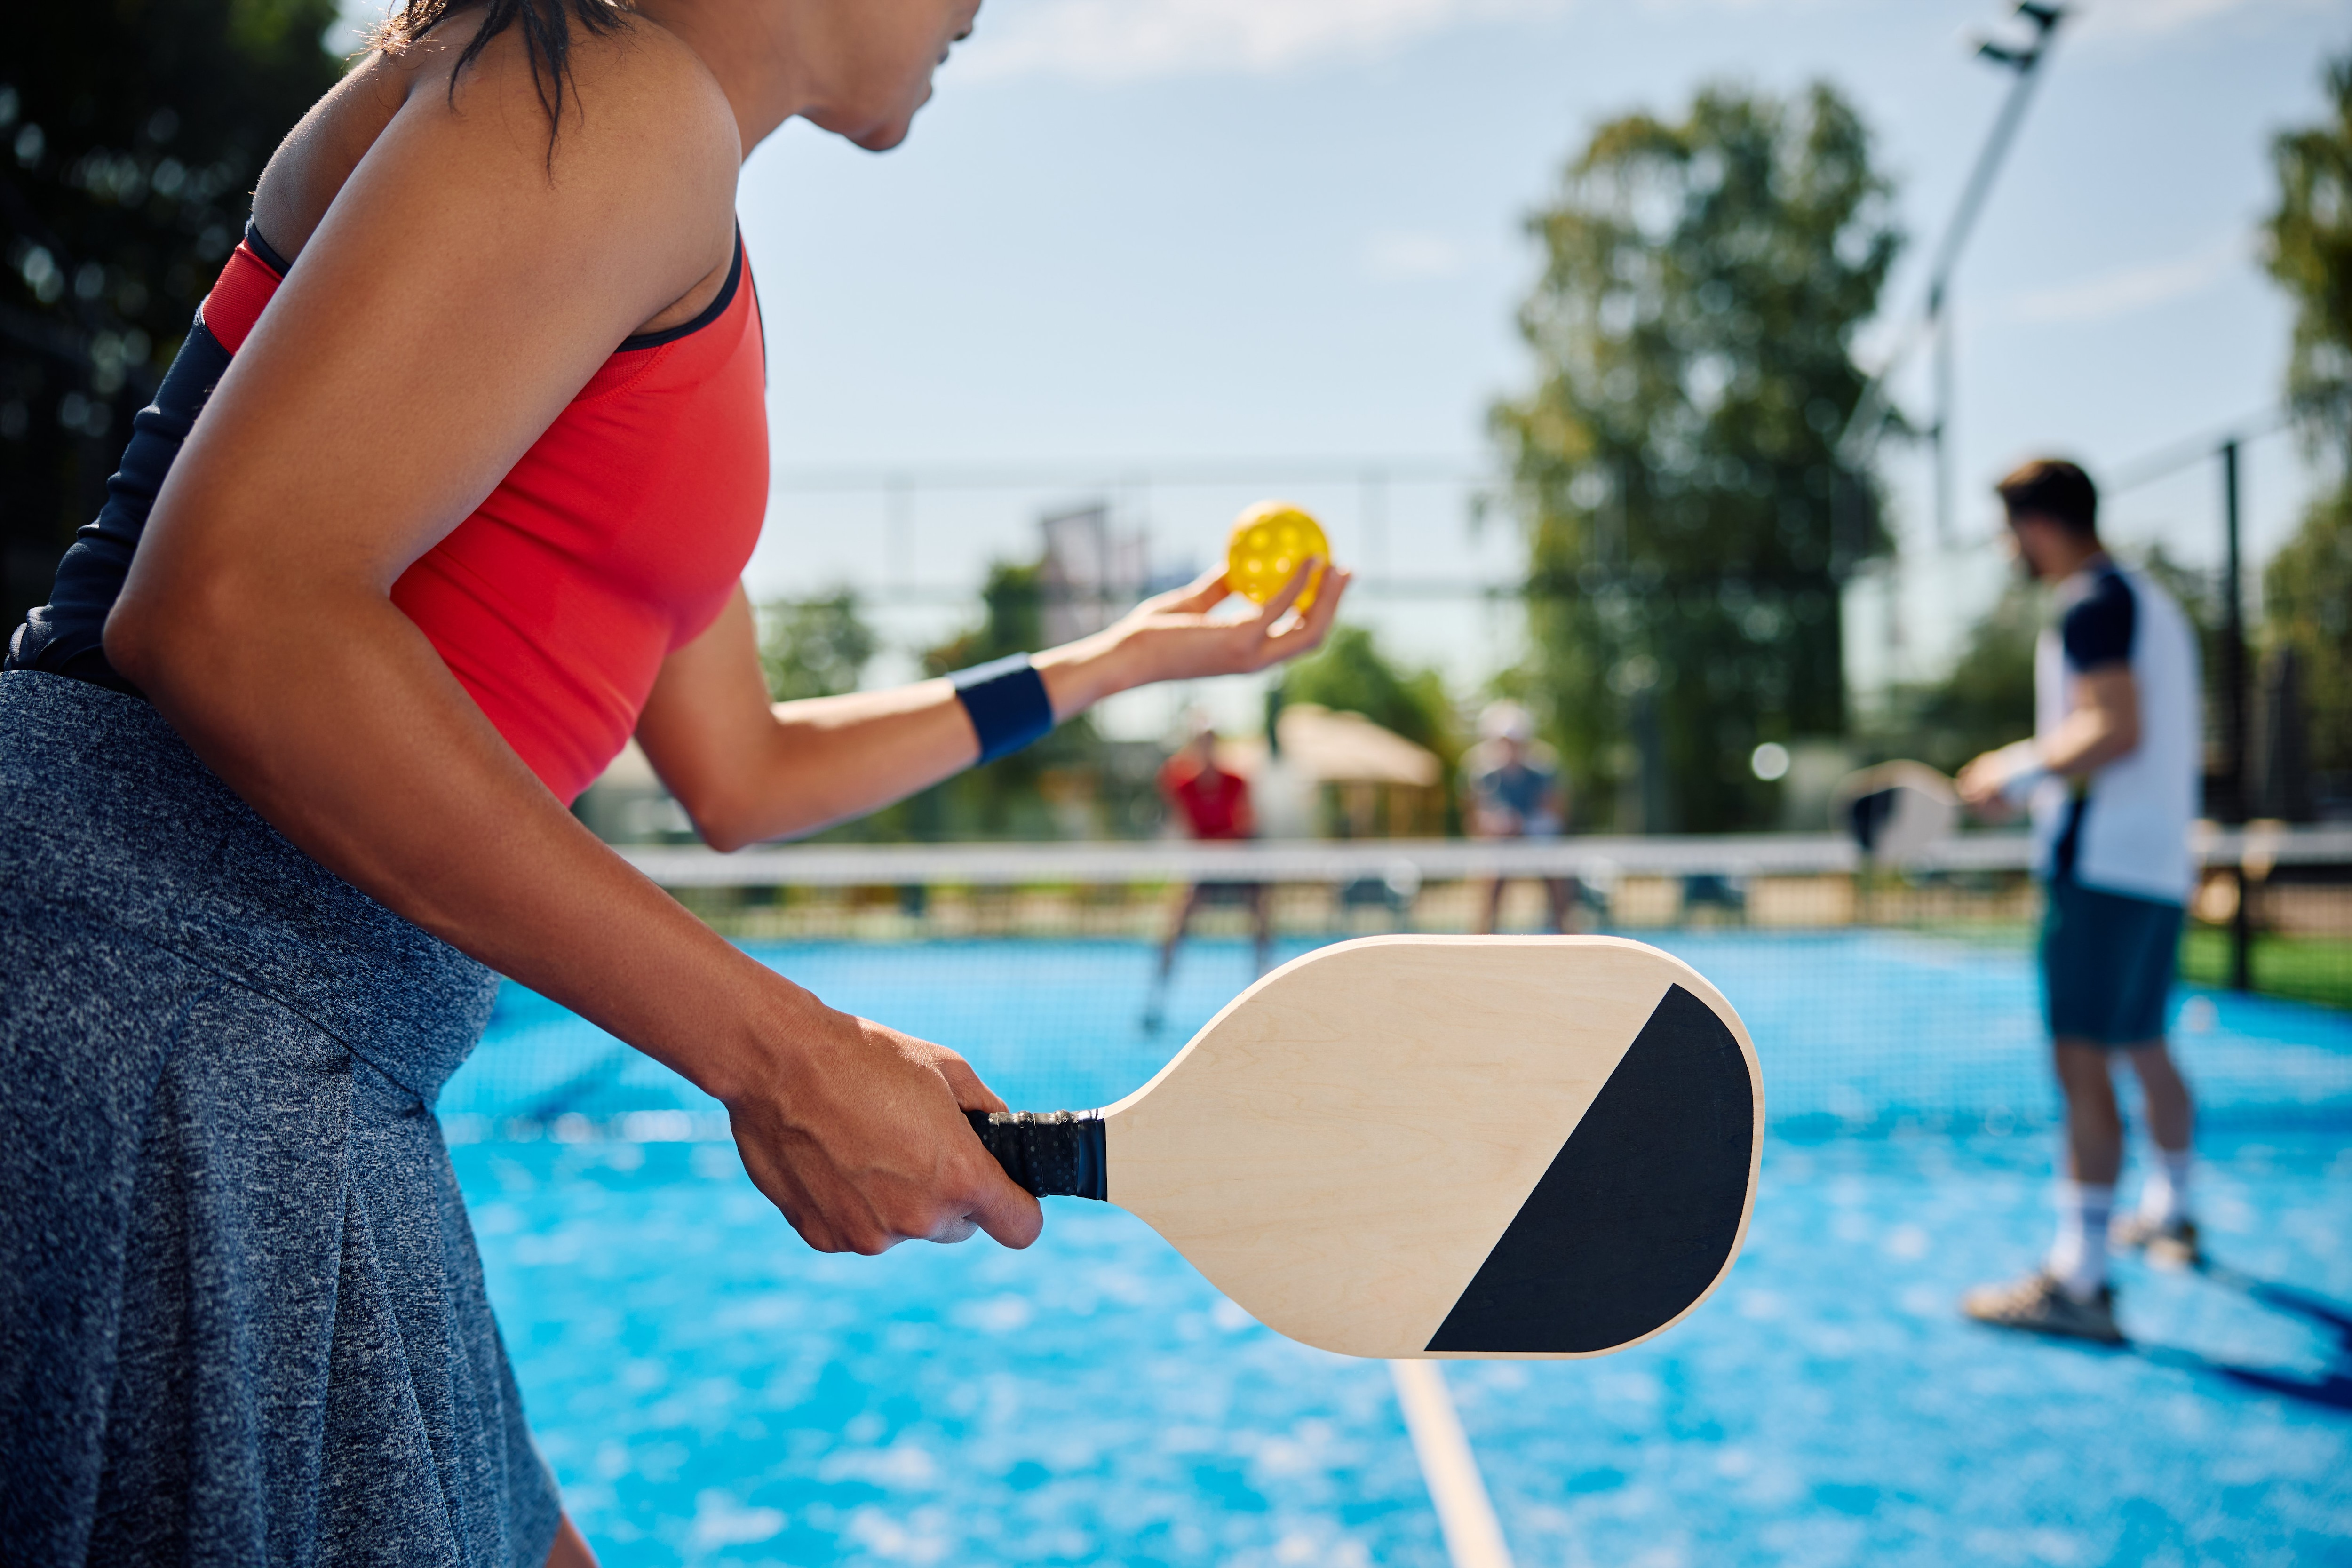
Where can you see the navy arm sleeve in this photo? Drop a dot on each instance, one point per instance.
(2098, 630)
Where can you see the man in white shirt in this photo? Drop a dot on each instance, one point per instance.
(2112, 778)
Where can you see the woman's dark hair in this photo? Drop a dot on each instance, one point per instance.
(546, 26)
(2055, 489)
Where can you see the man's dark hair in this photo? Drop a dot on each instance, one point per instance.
(2055, 489)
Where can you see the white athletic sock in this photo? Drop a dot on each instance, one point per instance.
(2164, 1195)
(2078, 1258)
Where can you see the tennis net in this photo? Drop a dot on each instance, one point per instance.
(1880, 999)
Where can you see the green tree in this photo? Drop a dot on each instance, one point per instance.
(1012, 620)
(1012, 798)
(1006, 798)
(1984, 700)
(131, 132)
(2310, 252)
(2307, 604)
(2307, 590)
(1350, 673)
(1693, 328)
(814, 647)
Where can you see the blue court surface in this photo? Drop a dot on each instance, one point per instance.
(708, 1391)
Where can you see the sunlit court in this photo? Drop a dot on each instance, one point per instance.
(708, 1392)
(709, 1395)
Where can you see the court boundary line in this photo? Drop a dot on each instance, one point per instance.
(1465, 1514)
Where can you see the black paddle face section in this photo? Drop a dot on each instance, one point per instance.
(1639, 1208)
(1865, 815)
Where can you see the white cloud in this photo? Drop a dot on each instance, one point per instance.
(1118, 40)
(2152, 18)
(1411, 256)
(1126, 40)
(2129, 288)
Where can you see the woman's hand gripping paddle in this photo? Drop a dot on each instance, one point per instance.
(1440, 1146)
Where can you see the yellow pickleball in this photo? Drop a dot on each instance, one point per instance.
(1269, 543)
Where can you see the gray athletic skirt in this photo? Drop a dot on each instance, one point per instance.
(241, 1316)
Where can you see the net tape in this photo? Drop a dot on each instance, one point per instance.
(1908, 998)
(1595, 859)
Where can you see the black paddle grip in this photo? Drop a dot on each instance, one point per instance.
(1051, 1154)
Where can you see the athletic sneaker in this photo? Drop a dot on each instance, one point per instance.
(2167, 1245)
(2039, 1305)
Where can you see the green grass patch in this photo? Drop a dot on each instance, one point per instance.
(2307, 968)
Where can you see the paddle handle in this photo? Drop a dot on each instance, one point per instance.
(1051, 1153)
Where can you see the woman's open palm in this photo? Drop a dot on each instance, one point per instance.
(1178, 636)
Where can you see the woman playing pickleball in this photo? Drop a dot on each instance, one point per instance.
(446, 495)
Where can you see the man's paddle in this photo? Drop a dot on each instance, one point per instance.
(1440, 1146)
(1896, 810)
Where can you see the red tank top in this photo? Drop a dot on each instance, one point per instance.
(616, 539)
(1215, 803)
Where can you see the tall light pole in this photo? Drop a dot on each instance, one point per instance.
(1861, 431)
(2025, 63)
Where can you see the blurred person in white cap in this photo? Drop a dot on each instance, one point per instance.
(1513, 783)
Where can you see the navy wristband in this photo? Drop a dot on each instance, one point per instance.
(1006, 700)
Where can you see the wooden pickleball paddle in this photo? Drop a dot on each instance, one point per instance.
(1896, 811)
(1440, 1146)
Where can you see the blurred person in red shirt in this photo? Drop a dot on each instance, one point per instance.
(1214, 804)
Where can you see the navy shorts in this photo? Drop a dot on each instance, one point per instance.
(2107, 964)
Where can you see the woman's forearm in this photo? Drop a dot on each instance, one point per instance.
(841, 757)
(829, 759)
(747, 771)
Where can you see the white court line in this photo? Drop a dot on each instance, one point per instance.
(1473, 1537)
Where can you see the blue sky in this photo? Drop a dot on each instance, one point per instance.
(1135, 232)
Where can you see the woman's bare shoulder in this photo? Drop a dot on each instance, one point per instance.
(637, 88)
(637, 120)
